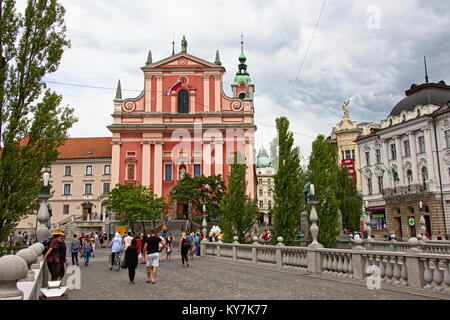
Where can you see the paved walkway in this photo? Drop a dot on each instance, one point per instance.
(208, 278)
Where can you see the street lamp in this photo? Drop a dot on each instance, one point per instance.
(368, 222)
(204, 224)
(314, 219)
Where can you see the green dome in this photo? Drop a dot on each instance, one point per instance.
(263, 160)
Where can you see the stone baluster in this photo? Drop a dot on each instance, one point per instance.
(325, 263)
(404, 272)
(388, 272)
(345, 265)
(397, 270)
(340, 265)
(12, 269)
(437, 276)
(30, 257)
(350, 265)
(447, 275)
(428, 275)
(335, 264)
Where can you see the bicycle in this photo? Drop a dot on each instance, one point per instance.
(116, 262)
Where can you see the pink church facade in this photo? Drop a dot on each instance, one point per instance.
(195, 128)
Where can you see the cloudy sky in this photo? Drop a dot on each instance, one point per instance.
(367, 51)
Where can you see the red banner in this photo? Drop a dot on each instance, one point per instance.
(350, 165)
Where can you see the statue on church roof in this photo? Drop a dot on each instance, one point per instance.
(184, 45)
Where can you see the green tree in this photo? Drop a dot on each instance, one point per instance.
(136, 204)
(350, 201)
(274, 153)
(288, 191)
(200, 190)
(32, 124)
(238, 213)
(323, 174)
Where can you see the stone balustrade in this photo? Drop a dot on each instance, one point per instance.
(408, 266)
(426, 247)
(23, 275)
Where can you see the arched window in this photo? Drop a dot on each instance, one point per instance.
(424, 175)
(409, 177)
(183, 101)
(242, 95)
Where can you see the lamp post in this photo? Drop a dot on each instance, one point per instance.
(423, 228)
(368, 222)
(314, 219)
(204, 224)
(43, 216)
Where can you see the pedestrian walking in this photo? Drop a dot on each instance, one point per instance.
(93, 241)
(116, 248)
(169, 242)
(62, 256)
(52, 255)
(74, 249)
(151, 255)
(131, 258)
(185, 246)
(87, 250)
(127, 240)
(439, 236)
(197, 243)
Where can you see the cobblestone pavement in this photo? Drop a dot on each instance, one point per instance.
(208, 278)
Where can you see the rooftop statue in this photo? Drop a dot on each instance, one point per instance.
(344, 107)
(306, 190)
(184, 45)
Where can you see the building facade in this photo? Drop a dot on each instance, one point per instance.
(183, 122)
(265, 176)
(80, 182)
(401, 167)
(344, 136)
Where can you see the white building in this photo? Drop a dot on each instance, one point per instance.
(265, 176)
(400, 167)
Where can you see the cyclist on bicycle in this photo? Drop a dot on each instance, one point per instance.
(116, 247)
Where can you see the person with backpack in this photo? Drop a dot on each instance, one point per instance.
(185, 246)
(74, 249)
(87, 246)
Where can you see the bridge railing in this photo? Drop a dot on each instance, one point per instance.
(23, 275)
(411, 267)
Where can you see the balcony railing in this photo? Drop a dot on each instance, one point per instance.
(405, 190)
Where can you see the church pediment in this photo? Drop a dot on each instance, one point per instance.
(182, 60)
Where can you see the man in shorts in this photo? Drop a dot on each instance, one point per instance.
(151, 254)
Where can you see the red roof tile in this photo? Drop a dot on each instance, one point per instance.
(86, 148)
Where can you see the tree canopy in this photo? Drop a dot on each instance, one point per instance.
(33, 125)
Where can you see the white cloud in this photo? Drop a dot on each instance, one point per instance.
(373, 68)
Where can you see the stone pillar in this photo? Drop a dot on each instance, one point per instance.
(413, 146)
(414, 266)
(157, 174)
(401, 173)
(429, 152)
(12, 269)
(386, 179)
(115, 163)
(235, 242)
(278, 255)
(218, 160)
(206, 92)
(148, 93)
(255, 244)
(207, 158)
(159, 92)
(173, 102)
(146, 163)
(217, 92)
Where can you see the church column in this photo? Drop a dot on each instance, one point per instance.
(192, 102)
(218, 160)
(157, 182)
(145, 163)
(249, 176)
(217, 92)
(173, 102)
(115, 163)
(412, 144)
(148, 93)
(206, 92)
(207, 158)
(159, 92)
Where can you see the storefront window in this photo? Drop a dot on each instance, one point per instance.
(378, 221)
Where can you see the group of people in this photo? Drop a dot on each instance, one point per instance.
(149, 249)
(17, 239)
